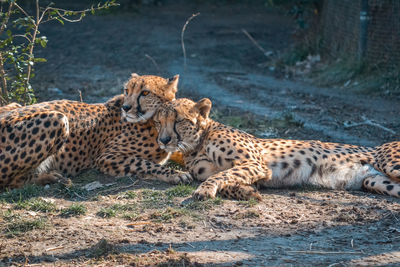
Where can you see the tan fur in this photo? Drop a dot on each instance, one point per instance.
(41, 141)
(144, 94)
(230, 161)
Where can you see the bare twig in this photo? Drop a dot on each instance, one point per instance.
(7, 17)
(370, 123)
(120, 187)
(4, 90)
(153, 61)
(22, 10)
(182, 35)
(54, 248)
(131, 225)
(80, 95)
(255, 43)
(190, 245)
(2, 101)
(80, 13)
(32, 46)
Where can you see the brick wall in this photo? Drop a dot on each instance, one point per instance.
(341, 29)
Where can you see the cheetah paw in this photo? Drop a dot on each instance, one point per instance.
(182, 178)
(204, 193)
(51, 177)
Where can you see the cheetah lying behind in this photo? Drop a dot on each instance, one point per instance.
(41, 141)
(230, 161)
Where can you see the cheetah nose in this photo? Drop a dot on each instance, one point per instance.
(165, 140)
(126, 107)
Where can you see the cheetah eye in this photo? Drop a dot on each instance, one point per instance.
(125, 91)
(185, 122)
(145, 93)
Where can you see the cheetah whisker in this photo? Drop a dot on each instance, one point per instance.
(186, 147)
(181, 147)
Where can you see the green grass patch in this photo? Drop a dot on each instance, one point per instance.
(17, 225)
(167, 215)
(36, 204)
(21, 194)
(115, 209)
(132, 216)
(153, 199)
(340, 71)
(106, 213)
(360, 76)
(249, 203)
(286, 120)
(203, 205)
(74, 210)
(72, 192)
(248, 214)
(180, 191)
(102, 248)
(130, 195)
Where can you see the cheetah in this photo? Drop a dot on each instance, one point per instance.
(44, 142)
(230, 161)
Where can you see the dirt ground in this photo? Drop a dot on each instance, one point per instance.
(129, 221)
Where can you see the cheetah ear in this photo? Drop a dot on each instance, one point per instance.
(172, 87)
(204, 107)
(134, 75)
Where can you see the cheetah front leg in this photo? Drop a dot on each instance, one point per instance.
(234, 183)
(120, 164)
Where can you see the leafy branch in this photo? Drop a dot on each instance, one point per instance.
(17, 57)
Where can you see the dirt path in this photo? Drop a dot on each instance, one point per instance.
(294, 227)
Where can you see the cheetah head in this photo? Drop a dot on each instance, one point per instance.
(181, 124)
(144, 94)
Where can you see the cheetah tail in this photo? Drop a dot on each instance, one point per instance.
(382, 185)
(387, 159)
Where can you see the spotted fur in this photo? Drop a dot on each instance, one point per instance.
(230, 161)
(49, 140)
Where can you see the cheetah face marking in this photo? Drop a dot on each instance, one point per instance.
(144, 94)
(181, 124)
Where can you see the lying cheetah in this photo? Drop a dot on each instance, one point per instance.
(230, 161)
(39, 143)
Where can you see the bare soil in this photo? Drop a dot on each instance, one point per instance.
(137, 222)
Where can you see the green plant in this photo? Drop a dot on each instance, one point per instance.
(36, 204)
(166, 215)
(17, 225)
(21, 194)
(74, 210)
(130, 194)
(203, 205)
(19, 32)
(180, 191)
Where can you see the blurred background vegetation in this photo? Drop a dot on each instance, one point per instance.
(326, 40)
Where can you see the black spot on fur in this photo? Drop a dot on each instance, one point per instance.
(201, 170)
(297, 163)
(389, 187)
